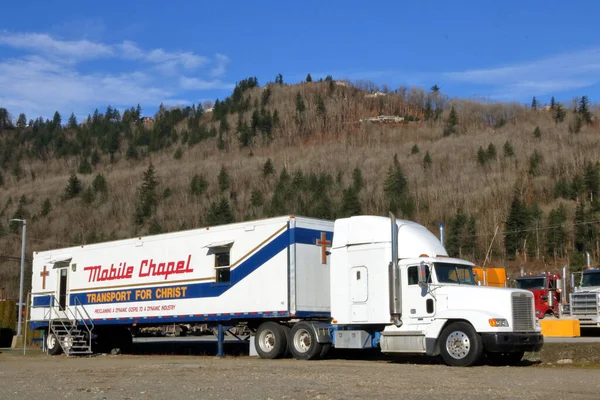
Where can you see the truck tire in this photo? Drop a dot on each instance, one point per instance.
(270, 340)
(303, 342)
(52, 345)
(503, 359)
(460, 345)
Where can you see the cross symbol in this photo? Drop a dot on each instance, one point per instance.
(323, 243)
(44, 274)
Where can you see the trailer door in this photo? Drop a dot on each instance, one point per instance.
(62, 288)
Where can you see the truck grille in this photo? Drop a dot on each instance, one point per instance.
(584, 303)
(522, 310)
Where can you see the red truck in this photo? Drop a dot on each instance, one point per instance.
(546, 292)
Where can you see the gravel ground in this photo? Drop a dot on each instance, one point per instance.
(204, 377)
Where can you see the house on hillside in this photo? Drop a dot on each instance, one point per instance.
(147, 120)
(376, 94)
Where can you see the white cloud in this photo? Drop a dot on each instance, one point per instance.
(221, 61)
(47, 76)
(42, 43)
(201, 84)
(550, 75)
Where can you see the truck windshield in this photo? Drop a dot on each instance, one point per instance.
(591, 279)
(531, 283)
(454, 273)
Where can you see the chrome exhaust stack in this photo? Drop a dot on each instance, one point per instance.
(394, 277)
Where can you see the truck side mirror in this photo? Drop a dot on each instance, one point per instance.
(423, 270)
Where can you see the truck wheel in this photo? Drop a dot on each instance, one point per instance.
(270, 340)
(53, 345)
(460, 345)
(303, 342)
(502, 359)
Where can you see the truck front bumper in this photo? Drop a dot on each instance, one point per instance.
(512, 342)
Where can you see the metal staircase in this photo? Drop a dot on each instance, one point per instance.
(71, 326)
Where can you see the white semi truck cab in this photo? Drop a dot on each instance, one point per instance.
(422, 301)
(585, 300)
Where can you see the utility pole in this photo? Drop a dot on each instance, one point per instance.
(24, 222)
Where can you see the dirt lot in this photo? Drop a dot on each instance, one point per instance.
(201, 377)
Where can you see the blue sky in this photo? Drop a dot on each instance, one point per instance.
(76, 56)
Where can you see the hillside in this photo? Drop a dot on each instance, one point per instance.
(531, 175)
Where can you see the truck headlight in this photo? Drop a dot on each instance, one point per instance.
(498, 322)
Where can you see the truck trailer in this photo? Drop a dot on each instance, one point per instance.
(299, 284)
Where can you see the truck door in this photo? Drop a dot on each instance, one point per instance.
(419, 303)
(359, 293)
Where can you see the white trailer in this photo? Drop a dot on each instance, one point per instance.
(382, 283)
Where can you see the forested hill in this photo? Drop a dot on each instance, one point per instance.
(529, 173)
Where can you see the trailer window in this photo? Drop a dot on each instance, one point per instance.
(222, 266)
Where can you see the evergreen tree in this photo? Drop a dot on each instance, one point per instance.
(415, 149)
(584, 110)
(491, 152)
(357, 180)
(224, 180)
(268, 168)
(74, 187)
(481, 156)
(100, 186)
(279, 79)
(321, 111)
(85, 167)
(257, 198)
(578, 188)
(534, 104)
(22, 121)
(461, 237)
(559, 113)
(95, 159)
(516, 224)
(537, 133)
(396, 190)
(300, 106)
(556, 234)
(72, 122)
(591, 178)
(308, 78)
(428, 111)
(178, 154)
(147, 197)
(46, 207)
(552, 103)
(198, 185)
(350, 203)
(562, 189)
(219, 213)
(508, 149)
(534, 163)
(451, 123)
(427, 161)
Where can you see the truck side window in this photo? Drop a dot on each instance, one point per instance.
(413, 275)
(222, 266)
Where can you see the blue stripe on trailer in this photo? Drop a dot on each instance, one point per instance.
(42, 301)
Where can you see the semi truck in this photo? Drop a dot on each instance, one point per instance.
(300, 285)
(546, 289)
(585, 299)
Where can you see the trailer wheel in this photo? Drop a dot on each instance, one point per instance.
(53, 345)
(270, 340)
(460, 345)
(303, 342)
(502, 359)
